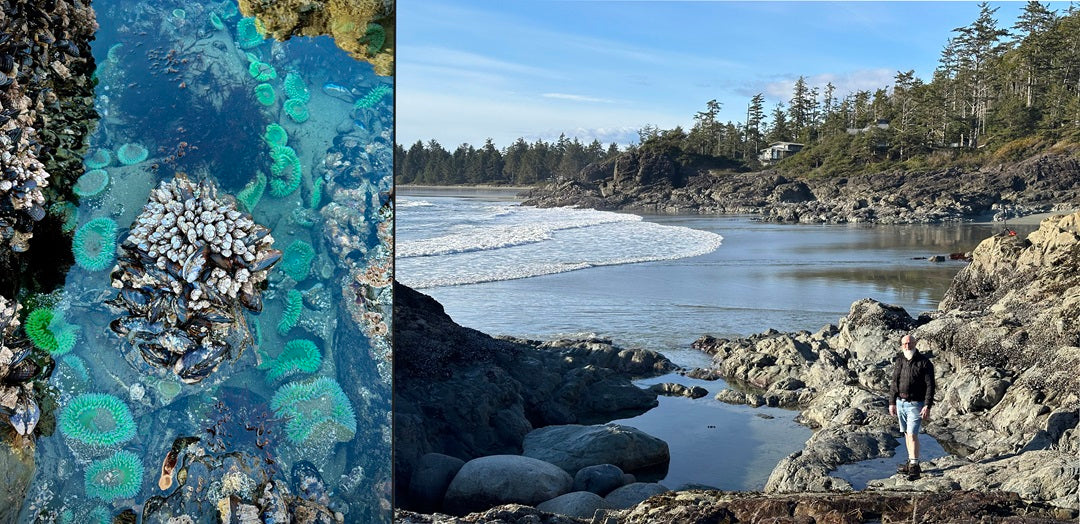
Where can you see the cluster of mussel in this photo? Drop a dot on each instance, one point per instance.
(190, 265)
(20, 365)
(37, 58)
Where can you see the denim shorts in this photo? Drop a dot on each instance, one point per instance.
(908, 413)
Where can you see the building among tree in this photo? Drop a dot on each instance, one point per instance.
(778, 151)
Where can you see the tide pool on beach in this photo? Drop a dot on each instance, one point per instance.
(513, 272)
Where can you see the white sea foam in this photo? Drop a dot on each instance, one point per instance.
(512, 226)
(403, 203)
(559, 250)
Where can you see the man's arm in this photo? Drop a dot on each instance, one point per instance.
(894, 387)
(931, 386)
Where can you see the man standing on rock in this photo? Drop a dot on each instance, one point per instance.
(910, 398)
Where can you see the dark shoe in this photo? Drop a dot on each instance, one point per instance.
(903, 468)
(914, 472)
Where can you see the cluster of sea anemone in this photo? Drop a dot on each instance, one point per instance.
(316, 411)
(190, 263)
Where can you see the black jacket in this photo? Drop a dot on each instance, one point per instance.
(912, 380)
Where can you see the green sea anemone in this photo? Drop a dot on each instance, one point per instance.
(94, 244)
(49, 332)
(113, 54)
(97, 419)
(296, 110)
(252, 193)
(247, 33)
(228, 8)
(251, 57)
(275, 135)
(98, 159)
(215, 21)
(179, 13)
(119, 476)
(130, 154)
(317, 411)
(297, 260)
(299, 356)
(262, 71)
(99, 515)
(91, 183)
(375, 36)
(295, 88)
(286, 171)
(67, 212)
(290, 314)
(77, 366)
(316, 193)
(264, 93)
(372, 97)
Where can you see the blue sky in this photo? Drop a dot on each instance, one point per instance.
(469, 70)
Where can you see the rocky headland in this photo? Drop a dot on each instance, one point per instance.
(1006, 346)
(653, 182)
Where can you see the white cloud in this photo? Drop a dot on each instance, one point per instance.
(577, 98)
(455, 117)
(845, 83)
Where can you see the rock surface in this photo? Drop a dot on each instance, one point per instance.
(573, 447)
(635, 181)
(580, 504)
(462, 393)
(1004, 344)
(632, 494)
(501, 479)
(600, 479)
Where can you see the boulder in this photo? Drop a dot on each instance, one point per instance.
(581, 504)
(430, 479)
(572, 447)
(678, 390)
(600, 479)
(503, 479)
(633, 494)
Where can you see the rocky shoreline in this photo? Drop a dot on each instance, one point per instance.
(1006, 345)
(653, 183)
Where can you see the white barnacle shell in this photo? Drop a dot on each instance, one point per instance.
(208, 232)
(192, 236)
(224, 285)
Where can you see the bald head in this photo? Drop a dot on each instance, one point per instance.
(907, 341)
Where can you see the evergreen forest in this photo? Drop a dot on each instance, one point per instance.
(998, 94)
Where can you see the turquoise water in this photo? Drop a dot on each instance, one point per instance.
(761, 276)
(179, 87)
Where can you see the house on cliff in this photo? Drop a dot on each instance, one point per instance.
(778, 151)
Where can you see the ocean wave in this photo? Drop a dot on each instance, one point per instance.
(632, 244)
(530, 226)
(402, 203)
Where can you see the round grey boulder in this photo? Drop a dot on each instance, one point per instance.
(632, 494)
(494, 480)
(580, 504)
(429, 481)
(572, 447)
(600, 479)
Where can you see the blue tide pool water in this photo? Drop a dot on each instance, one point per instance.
(193, 88)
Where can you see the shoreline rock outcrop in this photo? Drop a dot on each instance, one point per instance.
(464, 394)
(1040, 184)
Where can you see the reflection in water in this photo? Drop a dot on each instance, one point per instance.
(858, 474)
(718, 445)
(254, 409)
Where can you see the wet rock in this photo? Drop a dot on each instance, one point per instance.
(462, 393)
(581, 504)
(600, 479)
(432, 477)
(632, 494)
(678, 390)
(572, 447)
(500, 479)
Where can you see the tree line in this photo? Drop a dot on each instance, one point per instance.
(521, 163)
(996, 92)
